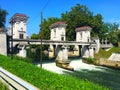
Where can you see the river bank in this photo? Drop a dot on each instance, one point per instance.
(109, 63)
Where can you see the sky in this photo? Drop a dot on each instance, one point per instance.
(109, 9)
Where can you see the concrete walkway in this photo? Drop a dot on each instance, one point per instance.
(115, 57)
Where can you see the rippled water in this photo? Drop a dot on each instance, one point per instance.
(97, 74)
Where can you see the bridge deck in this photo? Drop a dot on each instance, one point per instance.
(48, 42)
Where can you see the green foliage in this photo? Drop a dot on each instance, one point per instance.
(34, 52)
(111, 32)
(46, 80)
(91, 60)
(79, 16)
(3, 86)
(35, 36)
(28, 60)
(3, 14)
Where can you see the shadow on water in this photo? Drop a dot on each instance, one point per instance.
(103, 76)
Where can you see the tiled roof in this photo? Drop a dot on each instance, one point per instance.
(18, 14)
(58, 24)
(84, 28)
(17, 17)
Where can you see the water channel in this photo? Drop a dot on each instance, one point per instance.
(97, 74)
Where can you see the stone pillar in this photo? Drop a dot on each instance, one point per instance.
(91, 52)
(76, 50)
(22, 52)
(58, 52)
(97, 44)
(84, 51)
(65, 53)
(3, 42)
(62, 53)
(51, 51)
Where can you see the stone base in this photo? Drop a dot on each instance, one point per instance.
(64, 64)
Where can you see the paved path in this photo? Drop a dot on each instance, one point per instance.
(115, 57)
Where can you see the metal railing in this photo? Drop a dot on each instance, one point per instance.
(15, 82)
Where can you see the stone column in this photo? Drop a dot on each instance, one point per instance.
(62, 53)
(22, 52)
(51, 51)
(76, 50)
(91, 52)
(3, 42)
(65, 53)
(84, 51)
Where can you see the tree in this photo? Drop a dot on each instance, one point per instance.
(104, 31)
(3, 14)
(110, 31)
(35, 36)
(79, 16)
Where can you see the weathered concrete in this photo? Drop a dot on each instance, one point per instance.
(109, 63)
(3, 41)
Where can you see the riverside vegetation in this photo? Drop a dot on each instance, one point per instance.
(46, 80)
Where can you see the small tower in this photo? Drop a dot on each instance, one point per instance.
(83, 34)
(18, 23)
(58, 31)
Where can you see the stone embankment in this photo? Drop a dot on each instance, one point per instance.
(109, 63)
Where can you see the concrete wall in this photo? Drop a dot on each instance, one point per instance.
(18, 28)
(3, 42)
(83, 36)
(58, 33)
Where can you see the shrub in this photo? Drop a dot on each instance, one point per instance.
(91, 60)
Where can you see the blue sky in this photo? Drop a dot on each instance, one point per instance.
(110, 10)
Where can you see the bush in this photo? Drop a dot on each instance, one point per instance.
(91, 60)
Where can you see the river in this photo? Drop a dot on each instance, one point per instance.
(97, 74)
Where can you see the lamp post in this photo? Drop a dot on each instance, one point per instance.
(12, 39)
(41, 42)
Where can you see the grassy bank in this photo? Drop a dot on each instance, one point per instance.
(106, 54)
(46, 80)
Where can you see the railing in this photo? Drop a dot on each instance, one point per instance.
(33, 41)
(14, 82)
(106, 45)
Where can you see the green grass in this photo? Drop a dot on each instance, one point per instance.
(106, 54)
(46, 80)
(3, 86)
